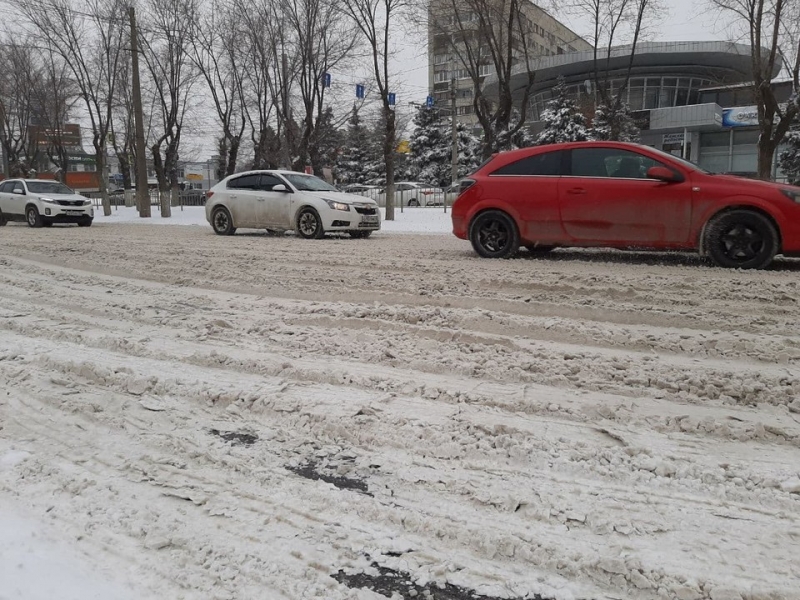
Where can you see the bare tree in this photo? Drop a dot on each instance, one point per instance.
(20, 72)
(271, 75)
(89, 36)
(375, 20)
(484, 36)
(166, 48)
(122, 130)
(220, 59)
(617, 29)
(53, 95)
(773, 28)
(324, 38)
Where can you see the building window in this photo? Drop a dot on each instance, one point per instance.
(484, 70)
(440, 76)
(464, 110)
(441, 59)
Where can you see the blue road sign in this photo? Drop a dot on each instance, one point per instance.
(327, 80)
(391, 99)
(429, 101)
(359, 90)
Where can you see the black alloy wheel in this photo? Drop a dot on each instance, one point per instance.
(741, 239)
(494, 234)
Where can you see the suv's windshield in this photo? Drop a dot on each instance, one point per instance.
(47, 187)
(308, 183)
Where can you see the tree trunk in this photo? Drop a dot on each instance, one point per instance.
(164, 198)
(233, 155)
(100, 162)
(766, 154)
(388, 159)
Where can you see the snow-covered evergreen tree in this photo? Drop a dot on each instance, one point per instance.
(563, 121)
(504, 140)
(431, 149)
(429, 145)
(359, 160)
(614, 124)
(789, 158)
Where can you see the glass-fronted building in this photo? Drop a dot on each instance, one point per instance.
(691, 99)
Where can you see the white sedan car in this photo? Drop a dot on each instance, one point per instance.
(42, 202)
(287, 200)
(412, 193)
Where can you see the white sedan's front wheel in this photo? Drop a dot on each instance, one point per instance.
(309, 224)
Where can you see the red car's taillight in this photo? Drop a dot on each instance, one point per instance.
(465, 185)
(209, 193)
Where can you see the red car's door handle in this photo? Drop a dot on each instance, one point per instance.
(576, 191)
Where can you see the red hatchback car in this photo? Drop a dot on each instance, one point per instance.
(619, 195)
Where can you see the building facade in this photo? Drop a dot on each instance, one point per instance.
(692, 99)
(545, 36)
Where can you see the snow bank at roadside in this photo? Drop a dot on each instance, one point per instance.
(411, 220)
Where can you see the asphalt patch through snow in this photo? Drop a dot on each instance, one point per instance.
(236, 438)
(389, 582)
(309, 470)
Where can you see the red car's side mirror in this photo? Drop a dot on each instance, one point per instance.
(663, 174)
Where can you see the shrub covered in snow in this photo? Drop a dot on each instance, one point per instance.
(789, 158)
(563, 121)
(614, 123)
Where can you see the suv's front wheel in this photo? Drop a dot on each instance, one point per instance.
(33, 217)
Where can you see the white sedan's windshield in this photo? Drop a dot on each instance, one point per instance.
(308, 183)
(48, 187)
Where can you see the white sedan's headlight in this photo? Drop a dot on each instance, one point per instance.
(337, 205)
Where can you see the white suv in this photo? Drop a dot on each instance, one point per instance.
(287, 200)
(42, 202)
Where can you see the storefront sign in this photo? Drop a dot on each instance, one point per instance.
(672, 138)
(741, 116)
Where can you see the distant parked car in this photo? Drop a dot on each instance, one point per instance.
(619, 195)
(286, 200)
(361, 189)
(412, 193)
(42, 202)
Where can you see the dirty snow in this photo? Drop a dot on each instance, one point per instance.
(589, 425)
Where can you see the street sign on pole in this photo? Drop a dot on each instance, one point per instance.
(359, 90)
(391, 99)
(429, 101)
(326, 78)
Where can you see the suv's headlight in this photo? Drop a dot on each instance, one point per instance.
(793, 195)
(48, 200)
(337, 205)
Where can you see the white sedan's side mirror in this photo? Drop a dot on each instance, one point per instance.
(18, 191)
(279, 188)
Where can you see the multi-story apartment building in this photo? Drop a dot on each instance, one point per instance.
(544, 36)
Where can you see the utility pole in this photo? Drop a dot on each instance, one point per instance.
(142, 191)
(454, 134)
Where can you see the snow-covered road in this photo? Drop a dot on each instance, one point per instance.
(254, 417)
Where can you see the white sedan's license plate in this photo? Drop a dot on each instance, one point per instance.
(369, 218)
(73, 213)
